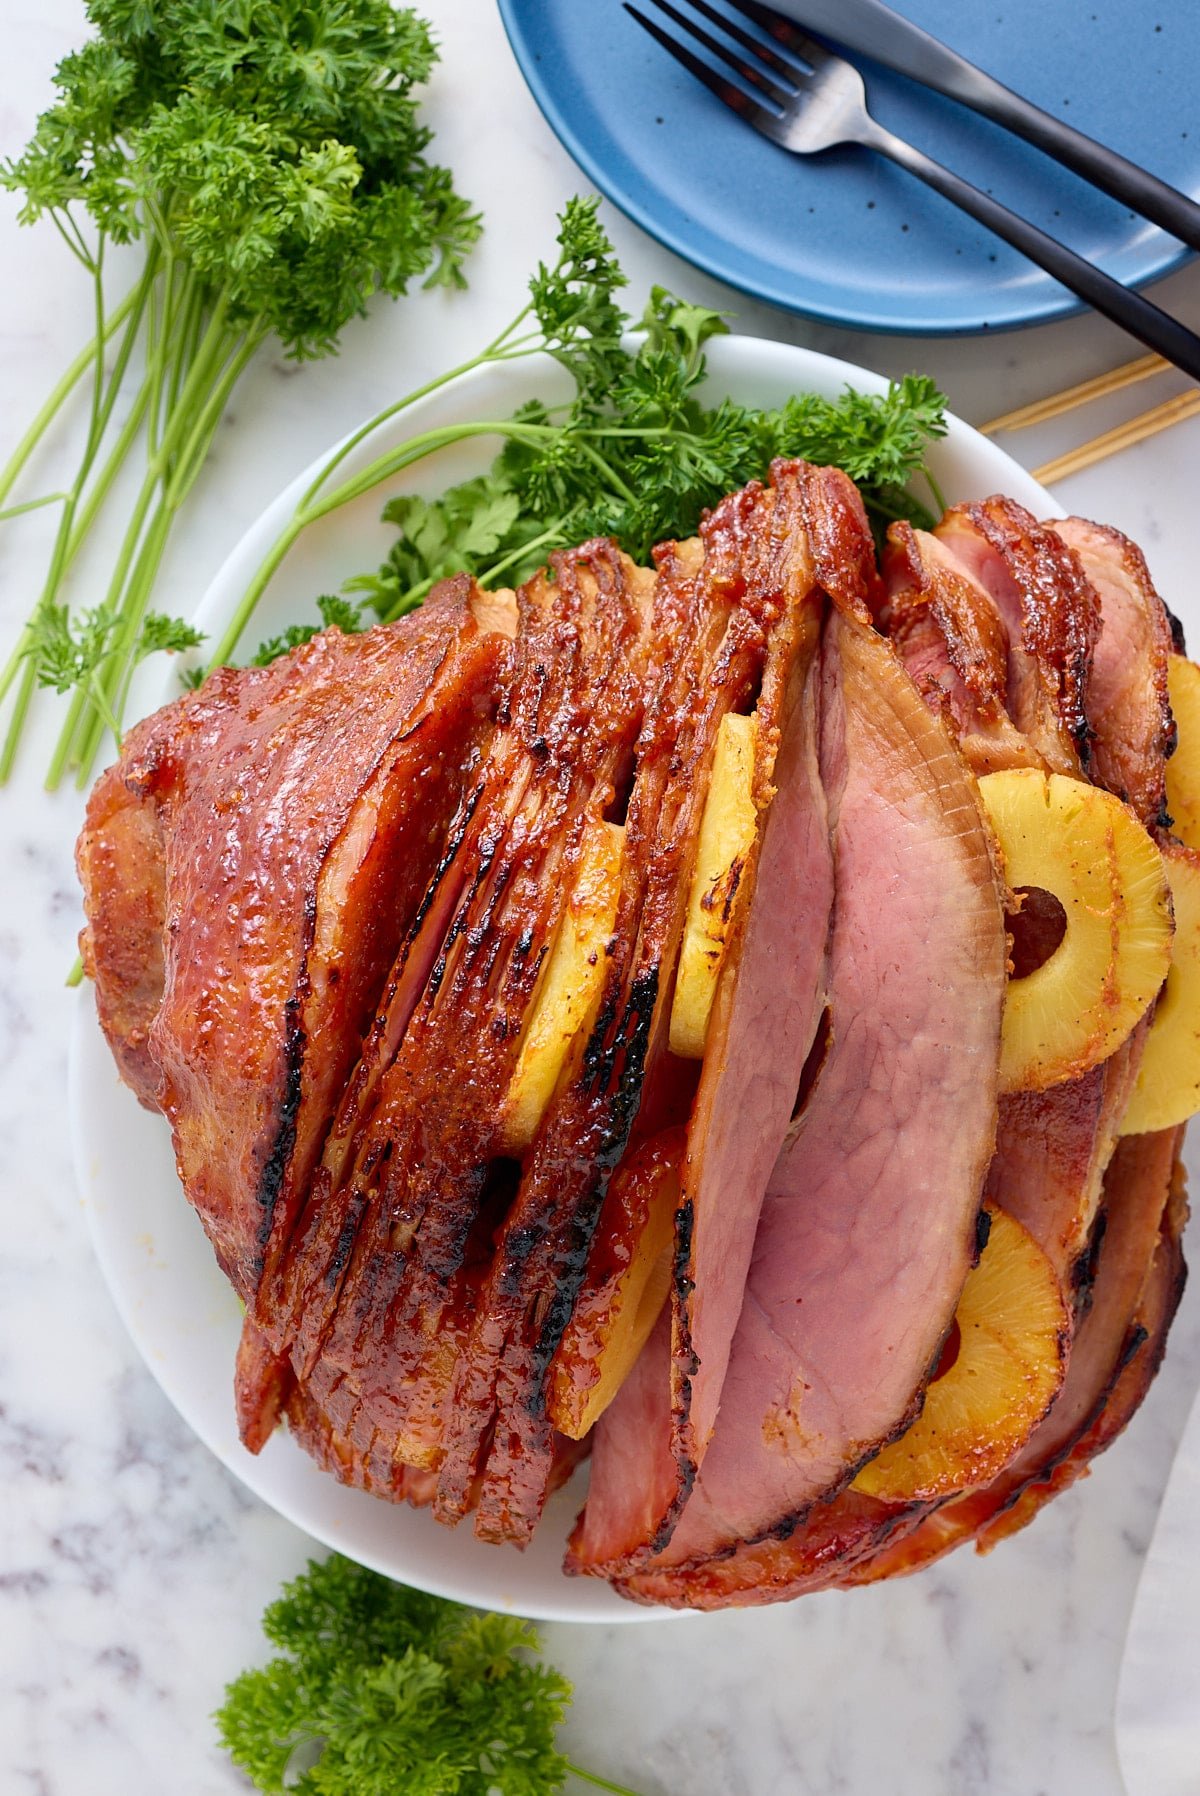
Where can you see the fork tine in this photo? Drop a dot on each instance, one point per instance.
(782, 30)
(756, 76)
(765, 52)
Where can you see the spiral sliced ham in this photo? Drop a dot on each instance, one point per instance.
(322, 897)
(869, 1225)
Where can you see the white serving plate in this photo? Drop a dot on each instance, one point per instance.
(177, 1306)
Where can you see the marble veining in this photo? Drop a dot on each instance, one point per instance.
(133, 1568)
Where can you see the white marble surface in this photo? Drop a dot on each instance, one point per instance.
(132, 1568)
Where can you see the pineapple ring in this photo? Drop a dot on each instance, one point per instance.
(727, 830)
(978, 1414)
(1183, 768)
(1168, 1085)
(620, 1300)
(1089, 850)
(569, 988)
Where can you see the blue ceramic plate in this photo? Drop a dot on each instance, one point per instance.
(846, 237)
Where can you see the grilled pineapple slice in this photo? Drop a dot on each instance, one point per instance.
(1011, 1325)
(569, 988)
(1168, 1085)
(1183, 769)
(726, 838)
(1089, 850)
(628, 1278)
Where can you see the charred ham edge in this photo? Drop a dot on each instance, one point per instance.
(815, 1387)
(1051, 614)
(245, 837)
(709, 632)
(1128, 692)
(1119, 1346)
(316, 1433)
(421, 1161)
(760, 559)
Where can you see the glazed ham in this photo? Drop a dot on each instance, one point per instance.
(869, 1225)
(338, 915)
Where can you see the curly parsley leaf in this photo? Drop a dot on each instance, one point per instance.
(269, 163)
(378, 1689)
(637, 453)
(334, 611)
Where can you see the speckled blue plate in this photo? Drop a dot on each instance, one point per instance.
(846, 237)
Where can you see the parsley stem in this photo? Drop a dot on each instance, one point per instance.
(69, 537)
(16, 722)
(15, 511)
(339, 455)
(313, 507)
(111, 689)
(599, 1783)
(113, 463)
(195, 448)
(185, 442)
(59, 394)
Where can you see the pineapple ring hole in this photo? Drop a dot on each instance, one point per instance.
(1036, 928)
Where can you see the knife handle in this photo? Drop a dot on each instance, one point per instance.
(1135, 314)
(895, 44)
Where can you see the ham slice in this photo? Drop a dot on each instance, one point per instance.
(758, 584)
(764, 1019)
(387, 1266)
(1138, 1283)
(1052, 1150)
(1127, 698)
(869, 1224)
(1050, 613)
(950, 636)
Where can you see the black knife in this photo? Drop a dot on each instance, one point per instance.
(874, 30)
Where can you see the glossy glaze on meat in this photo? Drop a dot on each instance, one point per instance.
(321, 897)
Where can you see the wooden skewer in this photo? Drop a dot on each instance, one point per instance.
(1124, 436)
(1053, 407)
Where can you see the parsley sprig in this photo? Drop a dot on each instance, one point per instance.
(378, 1689)
(635, 454)
(268, 158)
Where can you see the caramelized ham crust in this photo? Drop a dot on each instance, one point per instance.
(298, 808)
(1050, 613)
(322, 899)
(1127, 700)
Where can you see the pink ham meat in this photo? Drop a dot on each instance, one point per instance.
(1052, 1150)
(869, 1224)
(765, 1016)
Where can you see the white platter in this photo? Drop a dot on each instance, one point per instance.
(177, 1306)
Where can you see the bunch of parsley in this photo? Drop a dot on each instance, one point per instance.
(268, 158)
(635, 454)
(380, 1689)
